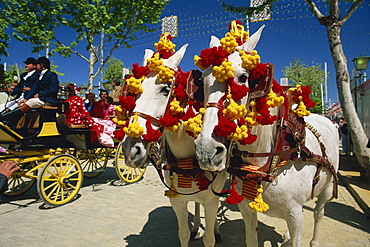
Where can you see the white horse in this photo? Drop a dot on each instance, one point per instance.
(292, 185)
(152, 102)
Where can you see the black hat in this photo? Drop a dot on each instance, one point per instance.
(45, 61)
(30, 60)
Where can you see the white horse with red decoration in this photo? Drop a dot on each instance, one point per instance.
(250, 129)
(165, 99)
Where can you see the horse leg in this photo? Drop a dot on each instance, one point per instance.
(217, 232)
(318, 214)
(196, 222)
(181, 210)
(294, 219)
(210, 212)
(250, 222)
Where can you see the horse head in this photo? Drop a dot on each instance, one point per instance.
(219, 78)
(150, 106)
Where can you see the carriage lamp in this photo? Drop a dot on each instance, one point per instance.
(108, 86)
(62, 93)
(361, 62)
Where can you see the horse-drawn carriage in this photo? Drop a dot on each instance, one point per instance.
(56, 155)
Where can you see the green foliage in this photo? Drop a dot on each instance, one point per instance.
(36, 21)
(4, 38)
(300, 73)
(10, 72)
(113, 69)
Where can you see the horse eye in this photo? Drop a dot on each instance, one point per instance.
(165, 90)
(243, 78)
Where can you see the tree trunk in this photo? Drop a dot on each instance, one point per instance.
(91, 70)
(357, 132)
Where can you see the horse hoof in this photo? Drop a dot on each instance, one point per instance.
(218, 238)
(193, 236)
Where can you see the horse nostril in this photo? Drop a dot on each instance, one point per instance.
(219, 150)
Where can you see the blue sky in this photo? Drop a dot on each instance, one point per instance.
(293, 32)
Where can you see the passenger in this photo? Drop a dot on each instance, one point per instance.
(90, 101)
(106, 125)
(6, 170)
(44, 92)
(98, 109)
(76, 113)
(116, 91)
(109, 109)
(28, 79)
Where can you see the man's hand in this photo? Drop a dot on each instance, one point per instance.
(21, 102)
(8, 167)
(27, 89)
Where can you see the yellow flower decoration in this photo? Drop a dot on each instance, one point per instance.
(154, 63)
(175, 107)
(174, 127)
(134, 130)
(223, 72)
(301, 110)
(198, 63)
(134, 85)
(164, 44)
(195, 124)
(249, 61)
(240, 133)
(234, 110)
(258, 204)
(237, 30)
(273, 100)
(166, 74)
(251, 119)
(229, 43)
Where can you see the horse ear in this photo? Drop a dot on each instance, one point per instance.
(148, 54)
(215, 42)
(175, 59)
(251, 43)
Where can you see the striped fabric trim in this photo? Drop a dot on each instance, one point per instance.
(249, 168)
(183, 182)
(249, 189)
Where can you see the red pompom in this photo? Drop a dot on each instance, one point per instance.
(127, 103)
(151, 135)
(238, 91)
(139, 71)
(234, 197)
(224, 127)
(119, 134)
(168, 120)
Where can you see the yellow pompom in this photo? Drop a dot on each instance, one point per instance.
(134, 130)
(164, 44)
(249, 61)
(166, 74)
(273, 100)
(222, 72)
(155, 64)
(229, 43)
(194, 124)
(134, 85)
(251, 119)
(233, 110)
(258, 204)
(198, 63)
(175, 107)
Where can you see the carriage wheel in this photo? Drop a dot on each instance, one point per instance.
(60, 180)
(93, 161)
(18, 183)
(126, 173)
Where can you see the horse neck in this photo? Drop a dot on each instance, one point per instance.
(266, 136)
(179, 143)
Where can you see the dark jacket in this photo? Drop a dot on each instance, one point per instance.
(29, 82)
(47, 88)
(3, 183)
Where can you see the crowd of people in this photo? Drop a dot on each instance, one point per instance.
(39, 86)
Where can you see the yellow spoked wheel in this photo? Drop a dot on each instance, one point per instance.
(60, 180)
(18, 183)
(93, 161)
(126, 173)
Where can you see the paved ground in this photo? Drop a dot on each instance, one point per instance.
(108, 213)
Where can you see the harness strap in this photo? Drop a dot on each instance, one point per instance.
(247, 154)
(154, 121)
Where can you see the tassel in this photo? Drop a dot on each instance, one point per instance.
(234, 197)
(172, 192)
(258, 204)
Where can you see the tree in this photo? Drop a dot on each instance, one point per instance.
(302, 74)
(4, 38)
(118, 20)
(113, 69)
(333, 23)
